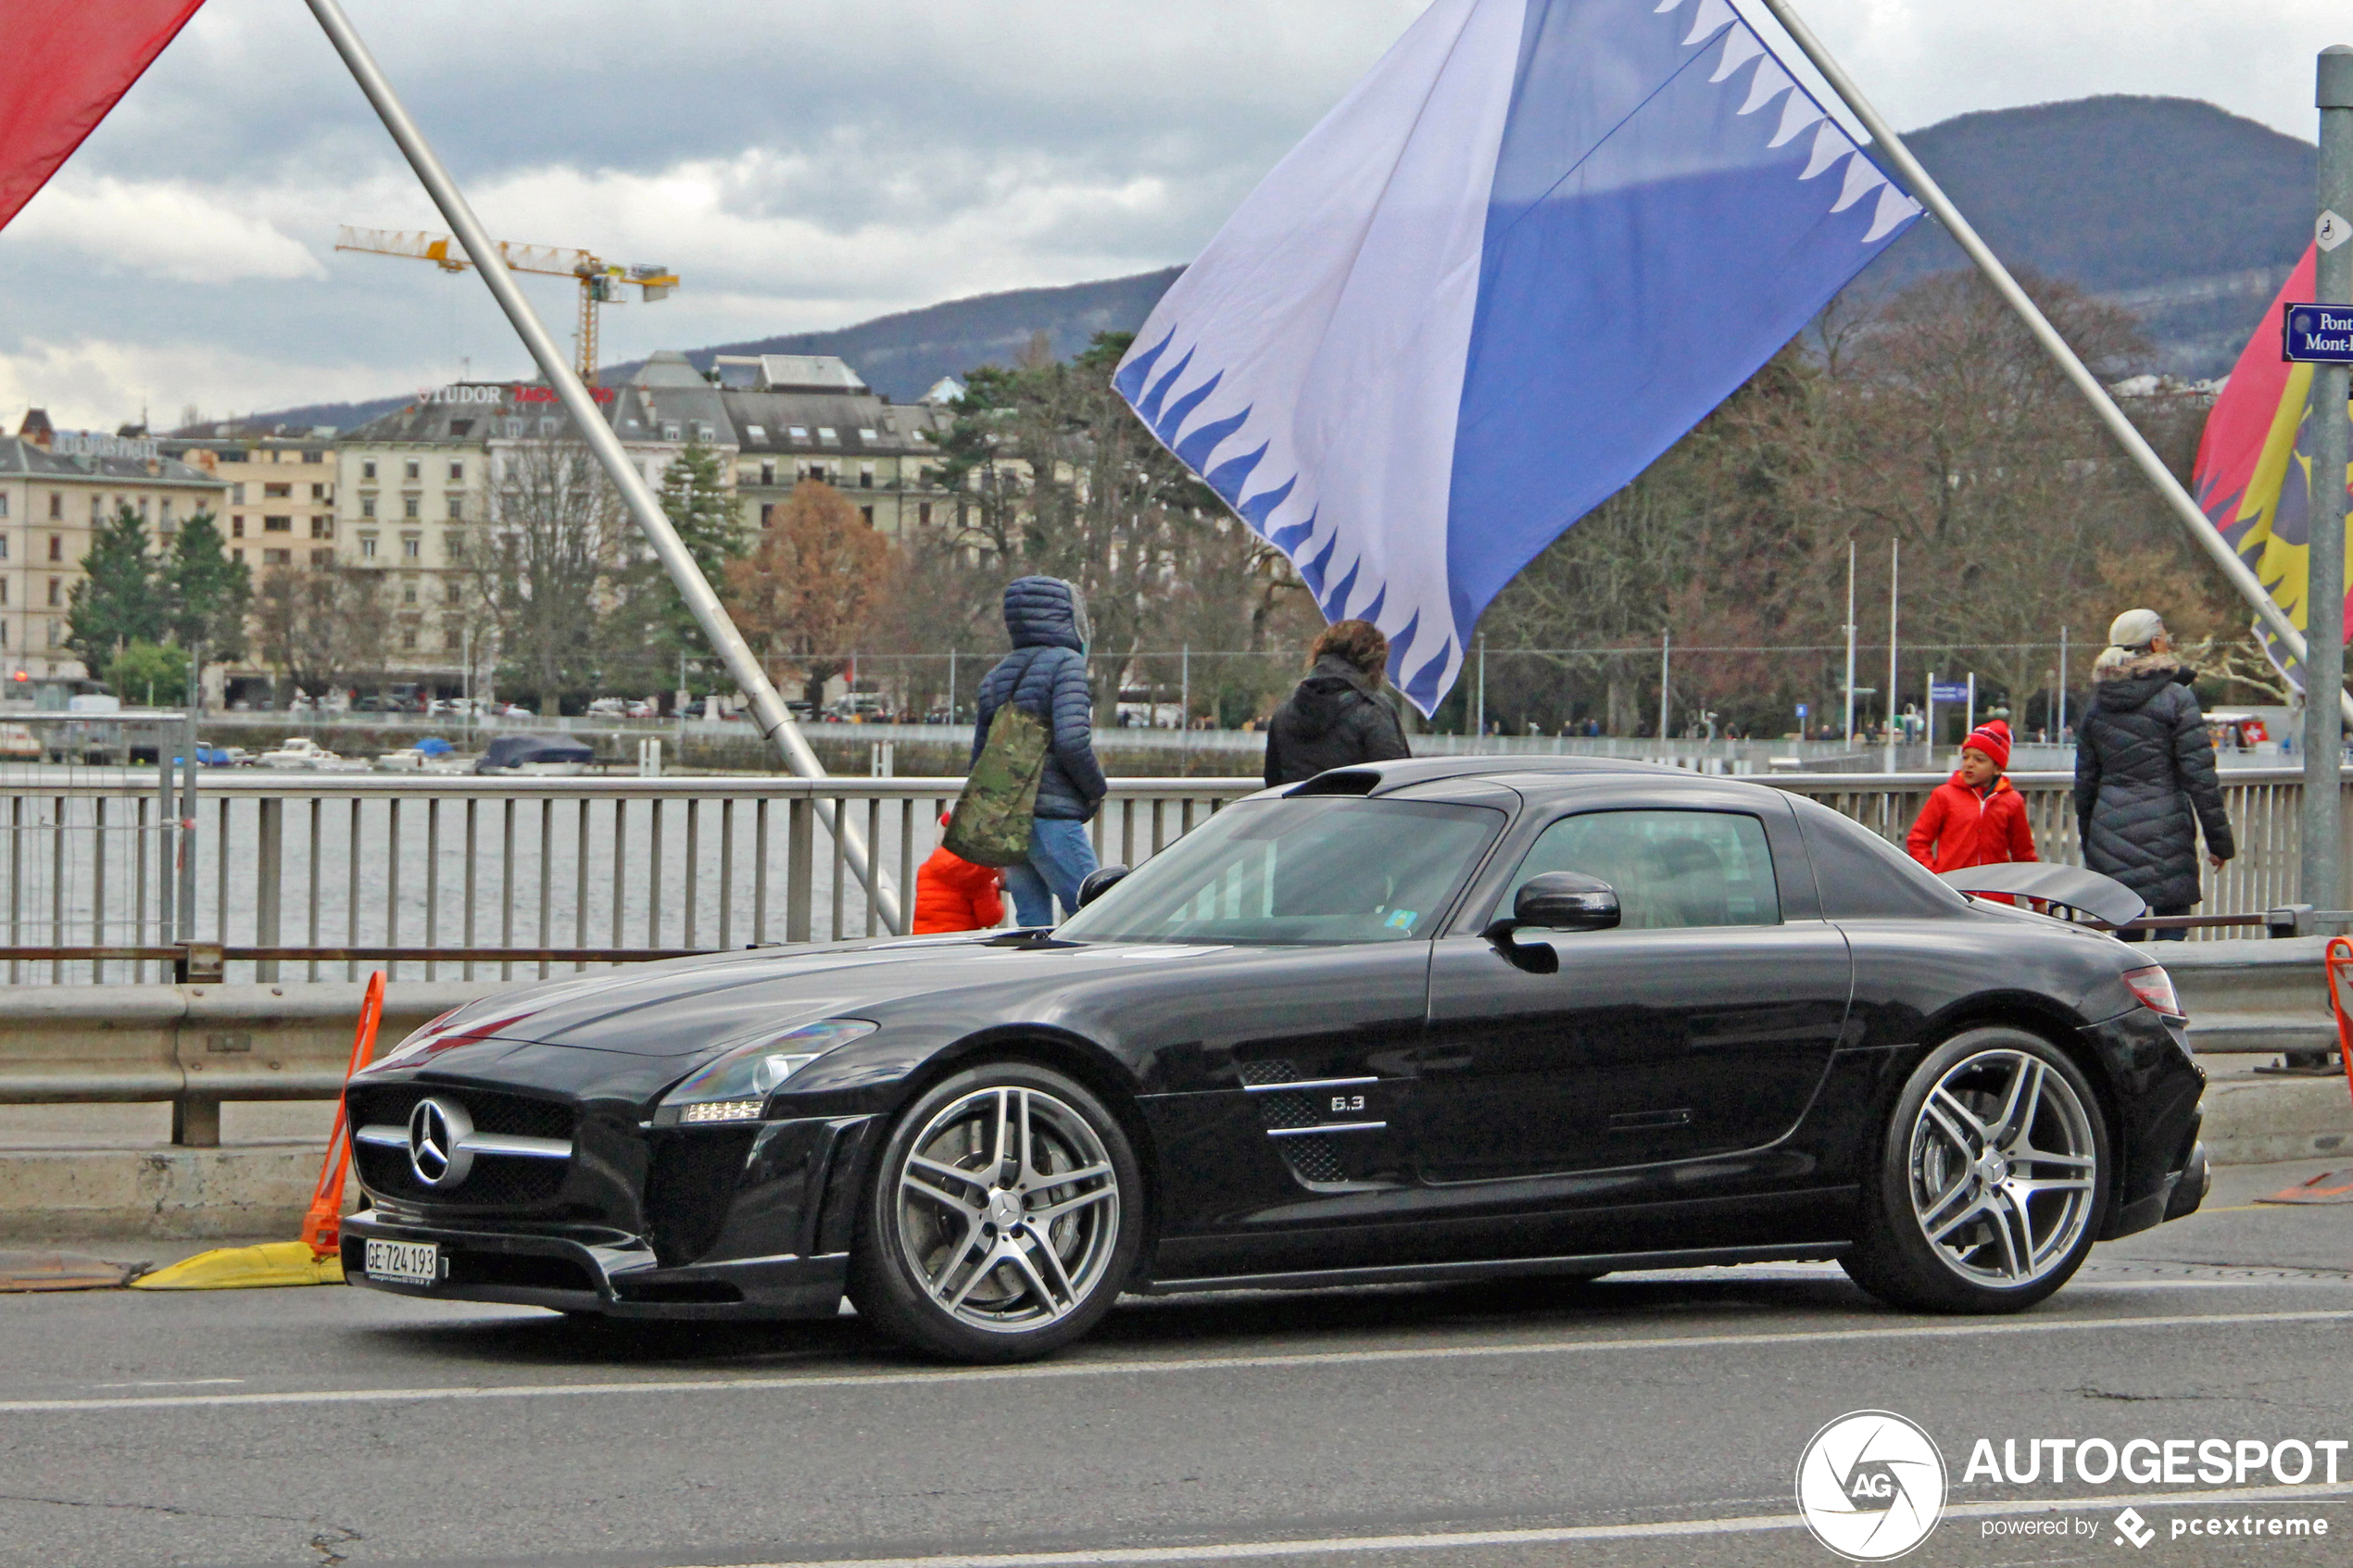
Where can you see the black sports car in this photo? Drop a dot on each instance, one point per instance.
(1429, 1020)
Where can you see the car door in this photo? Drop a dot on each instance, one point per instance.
(1701, 1026)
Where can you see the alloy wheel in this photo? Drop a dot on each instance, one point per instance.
(2003, 1168)
(1007, 1209)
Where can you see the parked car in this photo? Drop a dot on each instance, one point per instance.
(1444, 1017)
(551, 756)
(18, 743)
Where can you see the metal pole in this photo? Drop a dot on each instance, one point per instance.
(1479, 725)
(1970, 723)
(1929, 718)
(1932, 195)
(2323, 825)
(1847, 736)
(2059, 734)
(742, 666)
(1666, 641)
(1895, 565)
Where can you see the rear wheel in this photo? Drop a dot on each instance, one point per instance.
(1002, 1218)
(1990, 1181)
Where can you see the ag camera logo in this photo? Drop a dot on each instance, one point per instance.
(1870, 1486)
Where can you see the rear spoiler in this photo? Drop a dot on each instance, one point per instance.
(2103, 897)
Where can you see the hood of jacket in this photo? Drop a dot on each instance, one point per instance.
(1045, 612)
(1330, 690)
(2130, 682)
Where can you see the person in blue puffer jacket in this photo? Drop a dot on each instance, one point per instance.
(1045, 676)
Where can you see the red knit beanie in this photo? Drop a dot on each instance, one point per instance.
(1992, 737)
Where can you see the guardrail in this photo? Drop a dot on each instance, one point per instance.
(314, 876)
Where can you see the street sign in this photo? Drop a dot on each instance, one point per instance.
(1948, 691)
(2316, 334)
(1801, 710)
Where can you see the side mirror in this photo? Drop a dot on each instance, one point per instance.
(1561, 901)
(1099, 882)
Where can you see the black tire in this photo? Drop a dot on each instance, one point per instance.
(938, 1208)
(2008, 1231)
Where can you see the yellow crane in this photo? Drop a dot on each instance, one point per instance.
(600, 282)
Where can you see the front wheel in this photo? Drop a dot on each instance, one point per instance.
(1002, 1219)
(1990, 1181)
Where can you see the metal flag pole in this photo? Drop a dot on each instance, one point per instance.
(1895, 565)
(1847, 736)
(743, 667)
(1932, 195)
(1666, 646)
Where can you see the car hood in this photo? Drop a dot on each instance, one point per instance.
(685, 1006)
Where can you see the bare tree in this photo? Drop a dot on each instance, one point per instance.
(321, 627)
(548, 567)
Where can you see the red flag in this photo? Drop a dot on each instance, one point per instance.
(66, 63)
(2254, 476)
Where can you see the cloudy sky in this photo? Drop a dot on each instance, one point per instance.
(807, 165)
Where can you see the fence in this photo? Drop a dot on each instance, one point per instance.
(323, 876)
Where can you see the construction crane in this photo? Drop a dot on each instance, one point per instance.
(600, 282)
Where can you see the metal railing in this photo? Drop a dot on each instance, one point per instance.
(318, 877)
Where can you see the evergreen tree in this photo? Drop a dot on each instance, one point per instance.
(696, 498)
(121, 600)
(209, 594)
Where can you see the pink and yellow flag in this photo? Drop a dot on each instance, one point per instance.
(2253, 475)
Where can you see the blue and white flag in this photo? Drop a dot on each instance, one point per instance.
(1529, 250)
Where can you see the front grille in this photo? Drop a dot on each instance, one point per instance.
(497, 1181)
(493, 1110)
(688, 1190)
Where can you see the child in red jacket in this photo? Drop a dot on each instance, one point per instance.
(951, 894)
(1974, 818)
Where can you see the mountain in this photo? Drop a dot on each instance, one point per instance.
(2187, 214)
(902, 355)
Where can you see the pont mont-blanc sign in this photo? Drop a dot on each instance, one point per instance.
(2318, 333)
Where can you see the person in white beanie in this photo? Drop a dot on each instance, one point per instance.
(2144, 781)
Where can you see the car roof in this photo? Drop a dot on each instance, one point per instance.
(1427, 777)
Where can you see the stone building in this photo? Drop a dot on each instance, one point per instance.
(55, 488)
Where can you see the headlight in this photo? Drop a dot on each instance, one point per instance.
(737, 1087)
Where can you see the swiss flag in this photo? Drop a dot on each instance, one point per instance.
(64, 64)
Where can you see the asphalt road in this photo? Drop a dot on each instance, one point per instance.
(1638, 1419)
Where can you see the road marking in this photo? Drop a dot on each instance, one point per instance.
(1108, 1368)
(170, 1383)
(1458, 1540)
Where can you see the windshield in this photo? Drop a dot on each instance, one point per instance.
(1314, 868)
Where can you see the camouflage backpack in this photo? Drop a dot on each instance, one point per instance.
(992, 820)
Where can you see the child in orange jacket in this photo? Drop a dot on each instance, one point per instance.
(1974, 818)
(951, 894)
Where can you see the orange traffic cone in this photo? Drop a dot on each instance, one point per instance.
(317, 1258)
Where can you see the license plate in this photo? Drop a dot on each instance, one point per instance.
(405, 1263)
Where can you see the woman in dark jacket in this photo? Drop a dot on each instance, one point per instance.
(1046, 677)
(1337, 716)
(2145, 779)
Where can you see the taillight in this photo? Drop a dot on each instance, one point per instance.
(2155, 987)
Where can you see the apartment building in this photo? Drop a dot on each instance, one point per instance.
(55, 488)
(280, 507)
(419, 485)
(803, 415)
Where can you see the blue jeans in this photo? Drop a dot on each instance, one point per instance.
(1059, 856)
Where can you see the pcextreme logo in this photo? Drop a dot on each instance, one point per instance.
(1870, 1486)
